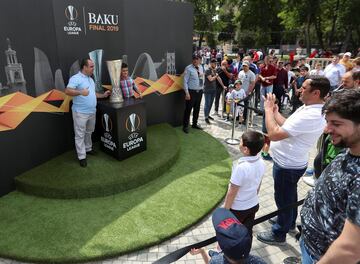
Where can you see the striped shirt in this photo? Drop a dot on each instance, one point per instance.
(127, 87)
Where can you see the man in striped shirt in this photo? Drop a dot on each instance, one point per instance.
(127, 84)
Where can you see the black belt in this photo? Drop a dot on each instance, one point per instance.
(195, 91)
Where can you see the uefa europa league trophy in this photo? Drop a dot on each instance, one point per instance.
(96, 57)
(114, 68)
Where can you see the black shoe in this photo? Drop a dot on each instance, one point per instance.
(207, 121)
(83, 163)
(91, 152)
(186, 130)
(211, 118)
(197, 127)
(270, 238)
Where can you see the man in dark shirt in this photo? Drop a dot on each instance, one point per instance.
(225, 75)
(211, 76)
(280, 83)
(330, 216)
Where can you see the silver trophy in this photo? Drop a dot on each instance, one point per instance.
(96, 57)
(70, 10)
(106, 119)
(114, 68)
(132, 118)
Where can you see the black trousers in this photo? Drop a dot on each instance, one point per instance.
(193, 103)
(219, 91)
(279, 92)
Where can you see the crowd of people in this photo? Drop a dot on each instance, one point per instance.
(324, 106)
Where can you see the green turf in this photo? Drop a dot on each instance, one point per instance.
(62, 177)
(59, 231)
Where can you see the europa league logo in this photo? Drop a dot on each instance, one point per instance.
(107, 124)
(132, 123)
(71, 13)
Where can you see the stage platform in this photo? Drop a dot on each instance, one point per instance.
(165, 199)
(63, 178)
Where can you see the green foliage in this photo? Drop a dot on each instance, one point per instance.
(259, 23)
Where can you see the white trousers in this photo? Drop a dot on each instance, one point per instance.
(84, 125)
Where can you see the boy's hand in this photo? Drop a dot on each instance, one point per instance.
(196, 251)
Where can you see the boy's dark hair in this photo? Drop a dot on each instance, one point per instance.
(84, 62)
(123, 65)
(346, 104)
(320, 83)
(253, 140)
(304, 68)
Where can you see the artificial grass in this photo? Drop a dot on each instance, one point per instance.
(63, 178)
(63, 231)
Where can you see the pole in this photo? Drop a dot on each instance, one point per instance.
(232, 140)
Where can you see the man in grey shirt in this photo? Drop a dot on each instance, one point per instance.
(193, 87)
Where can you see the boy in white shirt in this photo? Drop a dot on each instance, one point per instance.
(238, 94)
(242, 196)
(228, 100)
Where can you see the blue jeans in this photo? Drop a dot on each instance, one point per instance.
(209, 99)
(285, 188)
(306, 258)
(264, 90)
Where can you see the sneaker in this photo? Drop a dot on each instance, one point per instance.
(270, 238)
(216, 113)
(207, 121)
(266, 156)
(211, 118)
(91, 152)
(186, 130)
(83, 163)
(309, 180)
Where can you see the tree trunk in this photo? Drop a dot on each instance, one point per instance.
(347, 40)
(201, 37)
(307, 34)
(332, 33)
(319, 32)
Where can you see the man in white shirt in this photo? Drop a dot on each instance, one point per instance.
(334, 71)
(247, 78)
(292, 140)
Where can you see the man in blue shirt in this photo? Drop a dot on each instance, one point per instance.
(193, 87)
(82, 87)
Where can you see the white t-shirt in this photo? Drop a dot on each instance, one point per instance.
(317, 72)
(247, 173)
(290, 75)
(238, 95)
(228, 96)
(304, 128)
(246, 78)
(334, 73)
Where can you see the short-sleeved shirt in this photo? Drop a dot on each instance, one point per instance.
(247, 173)
(209, 86)
(334, 72)
(83, 104)
(304, 128)
(193, 78)
(219, 258)
(127, 87)
(335, 198)
(238, 95)
(246, 78)
(268, 71)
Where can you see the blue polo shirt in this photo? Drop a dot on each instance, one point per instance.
(83, 104)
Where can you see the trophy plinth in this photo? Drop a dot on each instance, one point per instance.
(114, 68)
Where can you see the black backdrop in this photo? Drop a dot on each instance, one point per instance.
(152, 26)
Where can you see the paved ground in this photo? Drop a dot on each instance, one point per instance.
(271, 254)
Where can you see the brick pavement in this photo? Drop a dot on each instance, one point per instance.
(203, 230)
